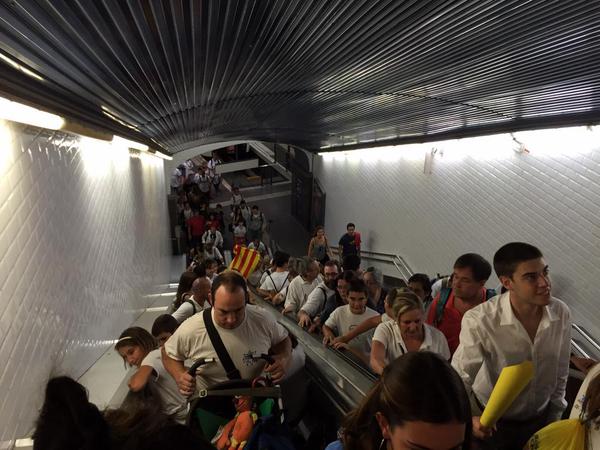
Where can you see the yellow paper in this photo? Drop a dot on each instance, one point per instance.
(511, 382)
(563, 435)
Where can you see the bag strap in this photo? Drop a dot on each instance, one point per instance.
(232, 372)
(191, 303)
(441, 305)
(324, 294)
(275, 286)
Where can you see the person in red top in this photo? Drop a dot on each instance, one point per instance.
(196, 225)
(471, 271)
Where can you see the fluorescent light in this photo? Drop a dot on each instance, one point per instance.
(24, 442)
(18, 112)
(20, 67)
(118, 140)
(113, 116)
(163, 156)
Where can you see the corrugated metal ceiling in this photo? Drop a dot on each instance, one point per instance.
(309, 73)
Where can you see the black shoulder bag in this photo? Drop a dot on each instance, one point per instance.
(232, 372)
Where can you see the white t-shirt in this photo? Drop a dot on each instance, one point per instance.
(388, 333)
(216, 238)
(239, 231)
(187, 309)
(578, 404)
(255, 335)
(236, 199)
(298, 292)
(261, 247)
(277, 282)
(215, 254)
(342, 320)
(176, 178)
(174, 404)
(203, 182)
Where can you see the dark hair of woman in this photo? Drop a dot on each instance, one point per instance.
(418, 386)
(175, 436)
(68, 420)
(185, 286)
(139, 416)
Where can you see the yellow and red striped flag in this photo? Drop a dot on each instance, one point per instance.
(245, 261)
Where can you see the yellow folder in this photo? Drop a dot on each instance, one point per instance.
(511, 382)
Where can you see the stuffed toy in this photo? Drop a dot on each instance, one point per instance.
(238, 430)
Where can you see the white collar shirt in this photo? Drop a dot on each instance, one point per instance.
(492, 338)
(388, 333)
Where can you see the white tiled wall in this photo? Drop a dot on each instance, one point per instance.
(479, 195)
(83, 235)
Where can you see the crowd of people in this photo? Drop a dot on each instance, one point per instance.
(438, 345)
(206, 232)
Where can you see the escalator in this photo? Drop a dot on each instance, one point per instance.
(331, 384)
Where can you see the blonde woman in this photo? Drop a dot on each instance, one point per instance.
(406, 332)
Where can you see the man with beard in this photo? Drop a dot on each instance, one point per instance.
(318, 297)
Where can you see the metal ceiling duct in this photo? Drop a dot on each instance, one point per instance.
(311, 73)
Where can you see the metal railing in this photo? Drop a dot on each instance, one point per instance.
(387, 258)
(350, 383)
(584, 343)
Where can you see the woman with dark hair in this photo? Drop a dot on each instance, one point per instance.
(68, 421)
(141, 424)
(318, 247)
(184, 288)
(419, 402)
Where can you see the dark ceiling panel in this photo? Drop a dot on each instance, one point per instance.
(309, 73)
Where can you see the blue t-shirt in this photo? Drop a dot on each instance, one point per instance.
(348, 244)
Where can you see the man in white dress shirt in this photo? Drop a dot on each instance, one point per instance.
(524, 324)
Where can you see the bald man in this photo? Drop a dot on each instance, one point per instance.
(199, 300)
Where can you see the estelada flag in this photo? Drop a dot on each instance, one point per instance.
(245, 261)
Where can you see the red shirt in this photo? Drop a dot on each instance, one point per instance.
(196, 225)
(357, 240)
(451, 320)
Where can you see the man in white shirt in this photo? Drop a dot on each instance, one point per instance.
(524, 324)
(199, 300)
(203, 181)
(301, 286)
(258, 245)
(318, 297)
(276, 280)
(212, 170)
(247, 331)
(177, 177)
(212, 252)
(213, 235)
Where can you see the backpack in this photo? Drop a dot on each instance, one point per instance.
(443, 299)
